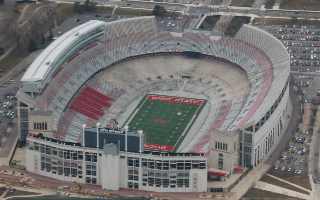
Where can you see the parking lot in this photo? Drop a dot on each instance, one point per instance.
(303, 44)
(7, 117)
(8, 122)
(7, 107)
(293, 160)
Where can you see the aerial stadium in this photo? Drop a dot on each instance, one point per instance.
(131, 104)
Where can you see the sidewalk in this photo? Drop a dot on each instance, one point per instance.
(37, 191)
(249, 181)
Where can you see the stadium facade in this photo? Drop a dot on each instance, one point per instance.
(119, 161)
(55, 102)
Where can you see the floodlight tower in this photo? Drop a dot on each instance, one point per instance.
(83, 132)
(98, 126)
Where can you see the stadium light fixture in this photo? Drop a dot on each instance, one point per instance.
(83, 130)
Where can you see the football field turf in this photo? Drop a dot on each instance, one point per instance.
(164, 118)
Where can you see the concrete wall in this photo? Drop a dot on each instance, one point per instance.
(32, 161)
(230, 155)
(110, 173)
(268, 136)
(41, 118)
(198, 181)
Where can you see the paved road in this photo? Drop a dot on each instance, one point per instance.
(191, 9)
(194, 9)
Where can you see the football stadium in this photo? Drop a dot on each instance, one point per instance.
(131, 104)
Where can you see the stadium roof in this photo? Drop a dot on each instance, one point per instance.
(41, 66)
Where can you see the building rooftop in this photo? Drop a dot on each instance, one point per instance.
(39, 69)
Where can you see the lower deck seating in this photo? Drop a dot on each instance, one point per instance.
(91, 103)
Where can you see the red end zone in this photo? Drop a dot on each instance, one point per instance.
(176, 100)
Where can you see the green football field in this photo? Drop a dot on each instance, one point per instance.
(163, 121)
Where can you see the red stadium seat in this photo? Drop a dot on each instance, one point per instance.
(91, 103)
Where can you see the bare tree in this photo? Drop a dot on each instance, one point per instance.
(31, 29)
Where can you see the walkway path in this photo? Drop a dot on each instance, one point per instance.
(4, 194)
(22, 196)
(248, 181)
(36, 191)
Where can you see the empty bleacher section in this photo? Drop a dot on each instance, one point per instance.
(263, 59)
(279, 61)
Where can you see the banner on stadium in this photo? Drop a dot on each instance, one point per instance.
(176, 100)
(158, 147)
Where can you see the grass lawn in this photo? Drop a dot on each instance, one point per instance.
(163, 118)
(133, 12)
(300, 4)
(256, 194)
(57, 197)
(301, 180)
(10, 61)
(64, 10)
(276, 182)
(242, 3)
(15, 192)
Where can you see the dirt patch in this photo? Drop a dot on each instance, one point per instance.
(9, 62)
